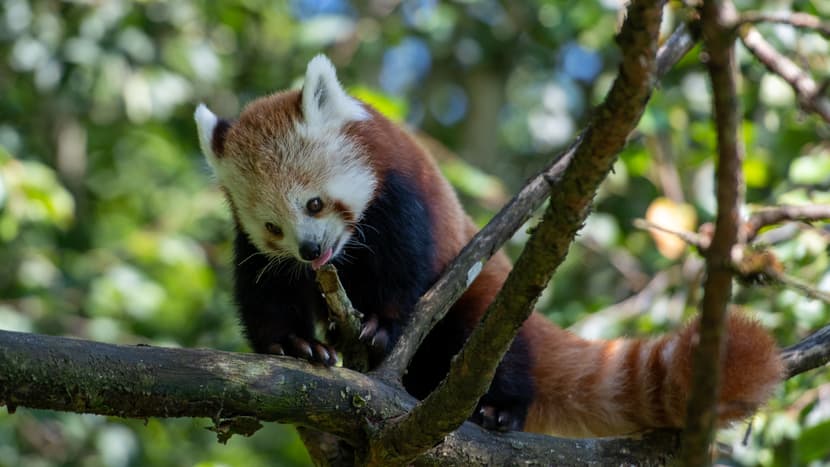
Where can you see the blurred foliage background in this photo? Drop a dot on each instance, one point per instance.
(111, 228)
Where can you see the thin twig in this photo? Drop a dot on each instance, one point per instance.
(795, 19)
(808, 92)
(749, 262)
(776, 215)
(698, 241)
(667, 174)
(717, 18)
(795, 283)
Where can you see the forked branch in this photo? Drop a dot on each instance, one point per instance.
(594, 154)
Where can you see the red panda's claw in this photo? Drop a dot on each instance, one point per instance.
(323, 354)
(302, 347)
(375, 335)
(492, 418)
(312, 350)
(380, 340)
(369, 328)
(486, 412)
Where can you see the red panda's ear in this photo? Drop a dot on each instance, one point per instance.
(212, 132)
(325, 103)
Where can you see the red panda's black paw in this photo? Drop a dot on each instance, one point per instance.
(493, 418)
(376, 336)
(312, 350)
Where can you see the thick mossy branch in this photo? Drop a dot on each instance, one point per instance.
(473, 368)
(58, 373)
(74, 375)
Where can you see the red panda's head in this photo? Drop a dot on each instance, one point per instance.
(296, 182)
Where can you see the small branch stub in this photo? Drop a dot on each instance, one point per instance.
(345, 320)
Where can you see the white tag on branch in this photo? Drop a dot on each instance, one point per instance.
(474, 272)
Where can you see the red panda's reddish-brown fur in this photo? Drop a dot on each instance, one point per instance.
(392, 147)
(585, 388)
(603, 388)
(578, 387)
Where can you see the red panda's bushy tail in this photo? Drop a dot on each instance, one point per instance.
(606, 388)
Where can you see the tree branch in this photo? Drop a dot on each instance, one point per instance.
(694, 239)
(344, 319)
(805, 288)
(776, 215)
(141, 381)
(718, 18)
(795, 19)
(473, 368)
(808, 92)
(753, 264)
(441, 296)
(810, 353)
(58, 373)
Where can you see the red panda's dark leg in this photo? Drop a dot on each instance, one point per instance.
(390, 263)
(505, 405)
(277, 306)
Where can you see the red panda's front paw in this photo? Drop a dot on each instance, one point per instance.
(374, 334)
(493, 418)
(312, 350)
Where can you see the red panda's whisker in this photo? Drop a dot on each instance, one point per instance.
(249, 257)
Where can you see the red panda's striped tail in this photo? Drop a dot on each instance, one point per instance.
(606, 388)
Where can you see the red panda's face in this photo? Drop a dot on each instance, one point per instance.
(297, 184)
(302, 199)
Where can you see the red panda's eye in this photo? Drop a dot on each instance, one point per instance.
(276, 231)
(314, 205)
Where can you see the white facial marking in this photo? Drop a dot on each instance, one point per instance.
(354, 187)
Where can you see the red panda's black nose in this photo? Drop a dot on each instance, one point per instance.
(309, 250)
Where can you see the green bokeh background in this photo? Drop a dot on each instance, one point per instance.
(111, 228)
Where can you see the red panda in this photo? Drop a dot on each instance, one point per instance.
(314, 176)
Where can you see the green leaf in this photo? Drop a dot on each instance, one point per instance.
(811, 169)
(813, 444)
(393, 108)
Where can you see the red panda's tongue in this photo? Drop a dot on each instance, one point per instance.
(323, 259)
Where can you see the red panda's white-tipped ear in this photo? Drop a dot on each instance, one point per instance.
(208, 124)
(325, 103)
